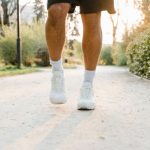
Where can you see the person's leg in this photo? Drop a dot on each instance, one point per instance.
(92, 42)
(55, 29)
(55, 37)
(92, 39)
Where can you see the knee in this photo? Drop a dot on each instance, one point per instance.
(57, 13)
(91, 23)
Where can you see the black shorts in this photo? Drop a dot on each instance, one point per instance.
(87, 6)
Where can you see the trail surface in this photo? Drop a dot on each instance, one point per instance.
(121, 121)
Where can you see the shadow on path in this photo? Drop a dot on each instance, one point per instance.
(63, 130)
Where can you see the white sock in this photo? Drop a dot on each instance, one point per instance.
(56, 65)
(89, 76)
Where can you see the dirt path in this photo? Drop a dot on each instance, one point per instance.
(121, 120)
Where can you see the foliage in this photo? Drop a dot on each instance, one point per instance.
(39, 10)
(138, 53)
(1, 57)
(8, 8)
(13, 70)
(42, 57)
(78, 49)
(144, 7)
(8, 47)
(74, 55)
(119, 55)
(32, 38)
(72, 27)
(28, 45)
(41, 54)
(106, 57)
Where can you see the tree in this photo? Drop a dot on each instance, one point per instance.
(1, 24)
(126, 26)
(8, 8)
(114, 26)
(115, 20)
(72, 29)
(144, 7)
(39, 10)
(72, 33)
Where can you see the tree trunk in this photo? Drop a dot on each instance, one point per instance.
(6, 21)
(1, 27)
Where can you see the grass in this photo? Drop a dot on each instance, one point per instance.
(13, 70)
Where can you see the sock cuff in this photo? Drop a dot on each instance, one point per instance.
(56, 65)
(56, 62)
(91, 72)
(89, 75)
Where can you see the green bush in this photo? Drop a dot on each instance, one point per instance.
(42, 57)
(32, 39)
(119, 54)
(39, 35)
(138, 53)
(41, 53)
(1, 56)
(106, 57)
(73, 54)
(28, 45)
(8, 47)
(78, 50)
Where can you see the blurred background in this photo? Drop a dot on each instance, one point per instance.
(126, 37)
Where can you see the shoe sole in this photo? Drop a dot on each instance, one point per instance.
(86, 106)
(58, 101)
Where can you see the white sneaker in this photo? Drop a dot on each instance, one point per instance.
(86, 100)
(57, 94)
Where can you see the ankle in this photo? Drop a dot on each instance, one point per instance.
(57, 65)
(88, 77)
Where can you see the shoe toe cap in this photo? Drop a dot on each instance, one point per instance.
(58, 98)
(85, 105)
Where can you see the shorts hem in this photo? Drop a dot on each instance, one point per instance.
(73, 5)
(99, 10)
